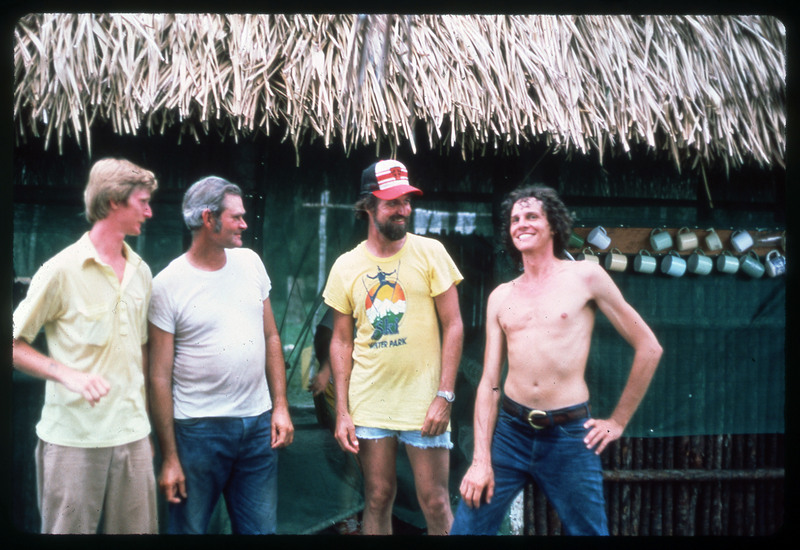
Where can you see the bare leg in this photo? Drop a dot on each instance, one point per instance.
(431, 474)
(378, 458)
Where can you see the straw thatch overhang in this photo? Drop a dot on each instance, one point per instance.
(705, 90)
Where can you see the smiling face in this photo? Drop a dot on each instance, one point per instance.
(230, 224)
(529, 228)
(391, 217)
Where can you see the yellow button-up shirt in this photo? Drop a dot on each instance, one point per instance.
(94, 324)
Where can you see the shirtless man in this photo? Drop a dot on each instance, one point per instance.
(542, 321)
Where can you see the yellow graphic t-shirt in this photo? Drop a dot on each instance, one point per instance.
(397, 348)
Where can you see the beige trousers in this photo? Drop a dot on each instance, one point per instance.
(77, 487)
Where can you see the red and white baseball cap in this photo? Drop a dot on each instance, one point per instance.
(387, 180)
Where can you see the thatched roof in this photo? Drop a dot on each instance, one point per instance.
(708, 88)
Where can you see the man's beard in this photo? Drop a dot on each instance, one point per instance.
(392, 231)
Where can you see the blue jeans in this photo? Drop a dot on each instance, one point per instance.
(556, 458)
(230, 457)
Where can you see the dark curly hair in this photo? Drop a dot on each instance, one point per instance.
(365, 203)
(557, 214)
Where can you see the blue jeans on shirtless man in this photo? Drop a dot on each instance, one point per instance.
(556, 458)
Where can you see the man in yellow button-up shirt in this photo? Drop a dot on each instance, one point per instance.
(94, 457)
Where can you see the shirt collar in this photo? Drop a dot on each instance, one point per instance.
(86, 251)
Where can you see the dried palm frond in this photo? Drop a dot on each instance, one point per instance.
(700, 88)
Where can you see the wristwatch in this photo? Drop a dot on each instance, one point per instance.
(448, 395)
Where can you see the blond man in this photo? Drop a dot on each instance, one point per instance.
(94, 458)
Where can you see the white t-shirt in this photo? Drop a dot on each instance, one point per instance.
(217, 319)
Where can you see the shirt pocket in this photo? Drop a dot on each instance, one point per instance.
(94, 324)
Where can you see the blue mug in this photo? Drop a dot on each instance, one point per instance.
(750, 264)
(644, 262)
(699, 263)
(673, 265)
(727, 263)
(660, 239)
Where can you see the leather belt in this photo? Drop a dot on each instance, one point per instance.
(539, 419)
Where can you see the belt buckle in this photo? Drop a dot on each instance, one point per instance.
(535, 414)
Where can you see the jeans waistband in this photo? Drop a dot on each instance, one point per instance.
(538, 419)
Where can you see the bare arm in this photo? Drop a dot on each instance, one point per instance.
(321, 379)
(30, 361)
(647, 353)
(447, 308)
(282, 427)
(479, 479)
(172, 480)
(341, 357)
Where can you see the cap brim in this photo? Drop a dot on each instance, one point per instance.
(396, 191)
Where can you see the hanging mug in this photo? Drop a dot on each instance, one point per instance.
(575, 241)
(588, 255)
(713, 242)
(727, 263)
(645, 263)
(741, 240)
(687, 239)
(751, 265)
(616, 260)
(698, 263)
(598, 238)
(673, 265)
(776, 264)
(660, 239)
(768, 240)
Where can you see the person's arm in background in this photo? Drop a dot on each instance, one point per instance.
(341, 356)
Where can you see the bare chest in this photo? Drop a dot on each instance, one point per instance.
(551, 309)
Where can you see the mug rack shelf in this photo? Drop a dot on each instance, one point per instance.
(630, 240)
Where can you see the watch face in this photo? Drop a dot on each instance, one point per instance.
(448, 396)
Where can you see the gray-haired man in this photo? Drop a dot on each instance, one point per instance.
(218, 378)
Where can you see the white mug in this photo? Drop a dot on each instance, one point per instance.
(776, 264)
(741, 240)
(673, 265)
(616, 260)
(644, 262)
(660, 239)
(713, 242)
(588, 255)
(598, 238)
(727, 263)
(686, 238)
(699, 263)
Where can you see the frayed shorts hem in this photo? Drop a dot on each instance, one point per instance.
(409, 437)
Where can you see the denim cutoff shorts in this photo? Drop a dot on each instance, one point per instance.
(409, 437)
